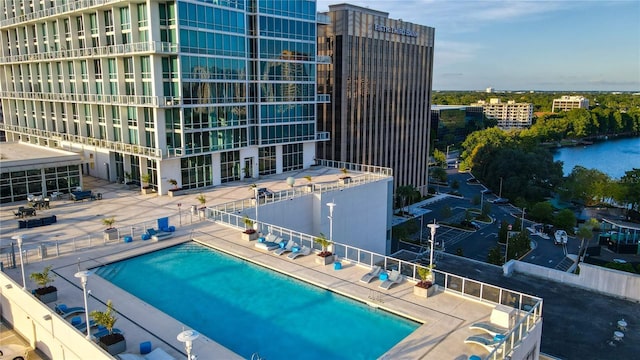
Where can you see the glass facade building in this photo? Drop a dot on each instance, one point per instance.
(203, 92)
(452, 123)
(380, 84)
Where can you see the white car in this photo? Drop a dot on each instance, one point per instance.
(13, 352)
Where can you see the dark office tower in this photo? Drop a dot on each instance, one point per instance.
(380, 85)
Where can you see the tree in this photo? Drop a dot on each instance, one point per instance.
(173, 183)
(565, 219)
(439, 157)
(105, 318)
(202, 199)
(407, 193)
(108, 222)
(44, 278)
(324, 242)
(439, 174)
(495, 256)
(542, 212)
(585, 232)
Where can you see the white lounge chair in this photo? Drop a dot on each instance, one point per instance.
(366, 278)
(488, 343)
(287, 248)
(394, 278)
(489, 328)
(304, 251)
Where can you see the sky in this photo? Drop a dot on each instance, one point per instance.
(566, 45)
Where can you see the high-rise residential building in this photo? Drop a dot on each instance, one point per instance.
(509, 115)
(566, 103)
(199, 92)
(380, 84)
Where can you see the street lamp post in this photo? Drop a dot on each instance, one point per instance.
(18, 238)
(433, 228)
(255, 192)
(83, 276)
(522, 220)
(500, 193)
(187, 337)
(180, 212)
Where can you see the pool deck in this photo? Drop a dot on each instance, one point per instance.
(445, 317)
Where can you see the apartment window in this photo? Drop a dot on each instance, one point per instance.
(230, 166)
(113, 70)
(197, 171)
(80, 26)
(108, 21)
(97, 69)
(125, 18)
(101, 117)
(115, 115)
(145, 67)
(128, 68)
(292, 157)
(267, 160)
(142, 16)
(132, 116)
(93, 22)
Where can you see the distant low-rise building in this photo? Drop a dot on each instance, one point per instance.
(566, 103)
(509, 115)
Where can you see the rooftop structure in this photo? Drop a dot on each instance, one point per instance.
(510, 115)
(379, 79)
(174, 90)
(446, 315)
(566, 103)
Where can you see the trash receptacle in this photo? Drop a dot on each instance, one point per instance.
(43, 251)
(194, 209)
(99, 196)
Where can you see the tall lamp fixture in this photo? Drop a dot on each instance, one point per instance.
(331, 205)
(255, 192)
(18, 238)
(83, 276)
(433, 228)
(187, 337)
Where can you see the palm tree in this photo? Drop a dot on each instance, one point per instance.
(585, 231)
(324, 242)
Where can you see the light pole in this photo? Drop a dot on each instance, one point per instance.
(83, 276)
(433, 228)
(447, 159)
(481, 202)
(522, 221)
(255, 192)
(180, 212)
(331, 205)
(500, 193)
(18, 238)
(187, 337)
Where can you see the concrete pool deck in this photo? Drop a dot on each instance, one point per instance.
(445, 317)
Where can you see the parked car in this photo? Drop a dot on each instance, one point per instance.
(13, 352)
(475, 225)
(500, 201)
(486, 191)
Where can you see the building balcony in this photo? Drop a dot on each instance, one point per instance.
(323, 136)
(129, 149)
(122, 49)
(323, 59)
(56, 10)
(323, 98)
(323, 19)
(141, 100)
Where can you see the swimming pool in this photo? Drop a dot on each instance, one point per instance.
(249, 309)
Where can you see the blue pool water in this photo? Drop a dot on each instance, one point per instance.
(250, 309)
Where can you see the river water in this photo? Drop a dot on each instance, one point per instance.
(612, 157)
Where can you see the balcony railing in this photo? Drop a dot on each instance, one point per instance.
(323, 136)
(323, 19)
(141, 100)
(122, 49)
(120, 147)
(57, 10)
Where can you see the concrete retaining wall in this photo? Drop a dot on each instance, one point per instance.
(42, 327)
(596, 278)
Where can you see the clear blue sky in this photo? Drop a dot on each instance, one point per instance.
(526, 45)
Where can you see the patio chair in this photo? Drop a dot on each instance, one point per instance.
(489, 328)
(487, 343)
(394, 278)
(304, 251)
(287, 247)
(373, 274)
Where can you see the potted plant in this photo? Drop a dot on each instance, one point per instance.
(174, 187)
(345, 178)
(110, 233)
(202, 200)
(45, 293)
(113, 343)
(146, 179)
(310, 186)
(425, 287)
(325, 257)
(249, 232)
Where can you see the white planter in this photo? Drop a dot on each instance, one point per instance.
(249, 237)
(111, 234)
(424, 293)
(324, 260)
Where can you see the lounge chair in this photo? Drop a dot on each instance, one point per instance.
(287, 247)
(82, 327)
(373, 274)
(486, 342)
(394, 278)
(158, 235)
(271, 242)
(102, 331)
(489, 328)
(304, 251)
(66, 312)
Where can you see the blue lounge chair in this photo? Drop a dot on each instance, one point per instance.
(82, 327)
(489, 328)
(366, 278)
(394, 278)
(304, 251)
(102, 331)
(66, 312)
